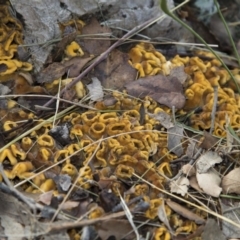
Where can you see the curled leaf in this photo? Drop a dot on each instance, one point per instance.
(209, 182)
(180, 186)
(185, 212)
(207, 160)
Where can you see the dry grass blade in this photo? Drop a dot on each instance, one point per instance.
(129, 217)
(228, 32)
(214, 109)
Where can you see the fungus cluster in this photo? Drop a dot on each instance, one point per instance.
(114, 145)
(203, 76)
(10, 38)
(148, 61)
(118, 142)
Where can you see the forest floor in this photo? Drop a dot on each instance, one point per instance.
(117, 138)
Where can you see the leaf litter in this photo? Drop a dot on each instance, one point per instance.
(93, 207)
(180, 186)
(231, 183)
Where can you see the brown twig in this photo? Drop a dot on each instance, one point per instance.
(69, 225)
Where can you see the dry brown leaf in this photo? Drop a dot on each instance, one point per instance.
(46, 197)
(207, 160)
(188, 170)
(115, 71)
(175, 136)
(180, 186)
(69, 95)
(212, 231)
(95, 46)
(165, 90)
(179, 73)
(185, 212)
(75, 65)
(209, 141)
(209, 182)
(231, 182)
(10, 206)
(23, 85)
(194, 184)
(115, 227)
(53, 71)
(106, 183)
(81, 209)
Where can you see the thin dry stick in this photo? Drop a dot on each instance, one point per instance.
(116, 44)
(48, 96)
(129, 216)
(214, 109)
(69, 225)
